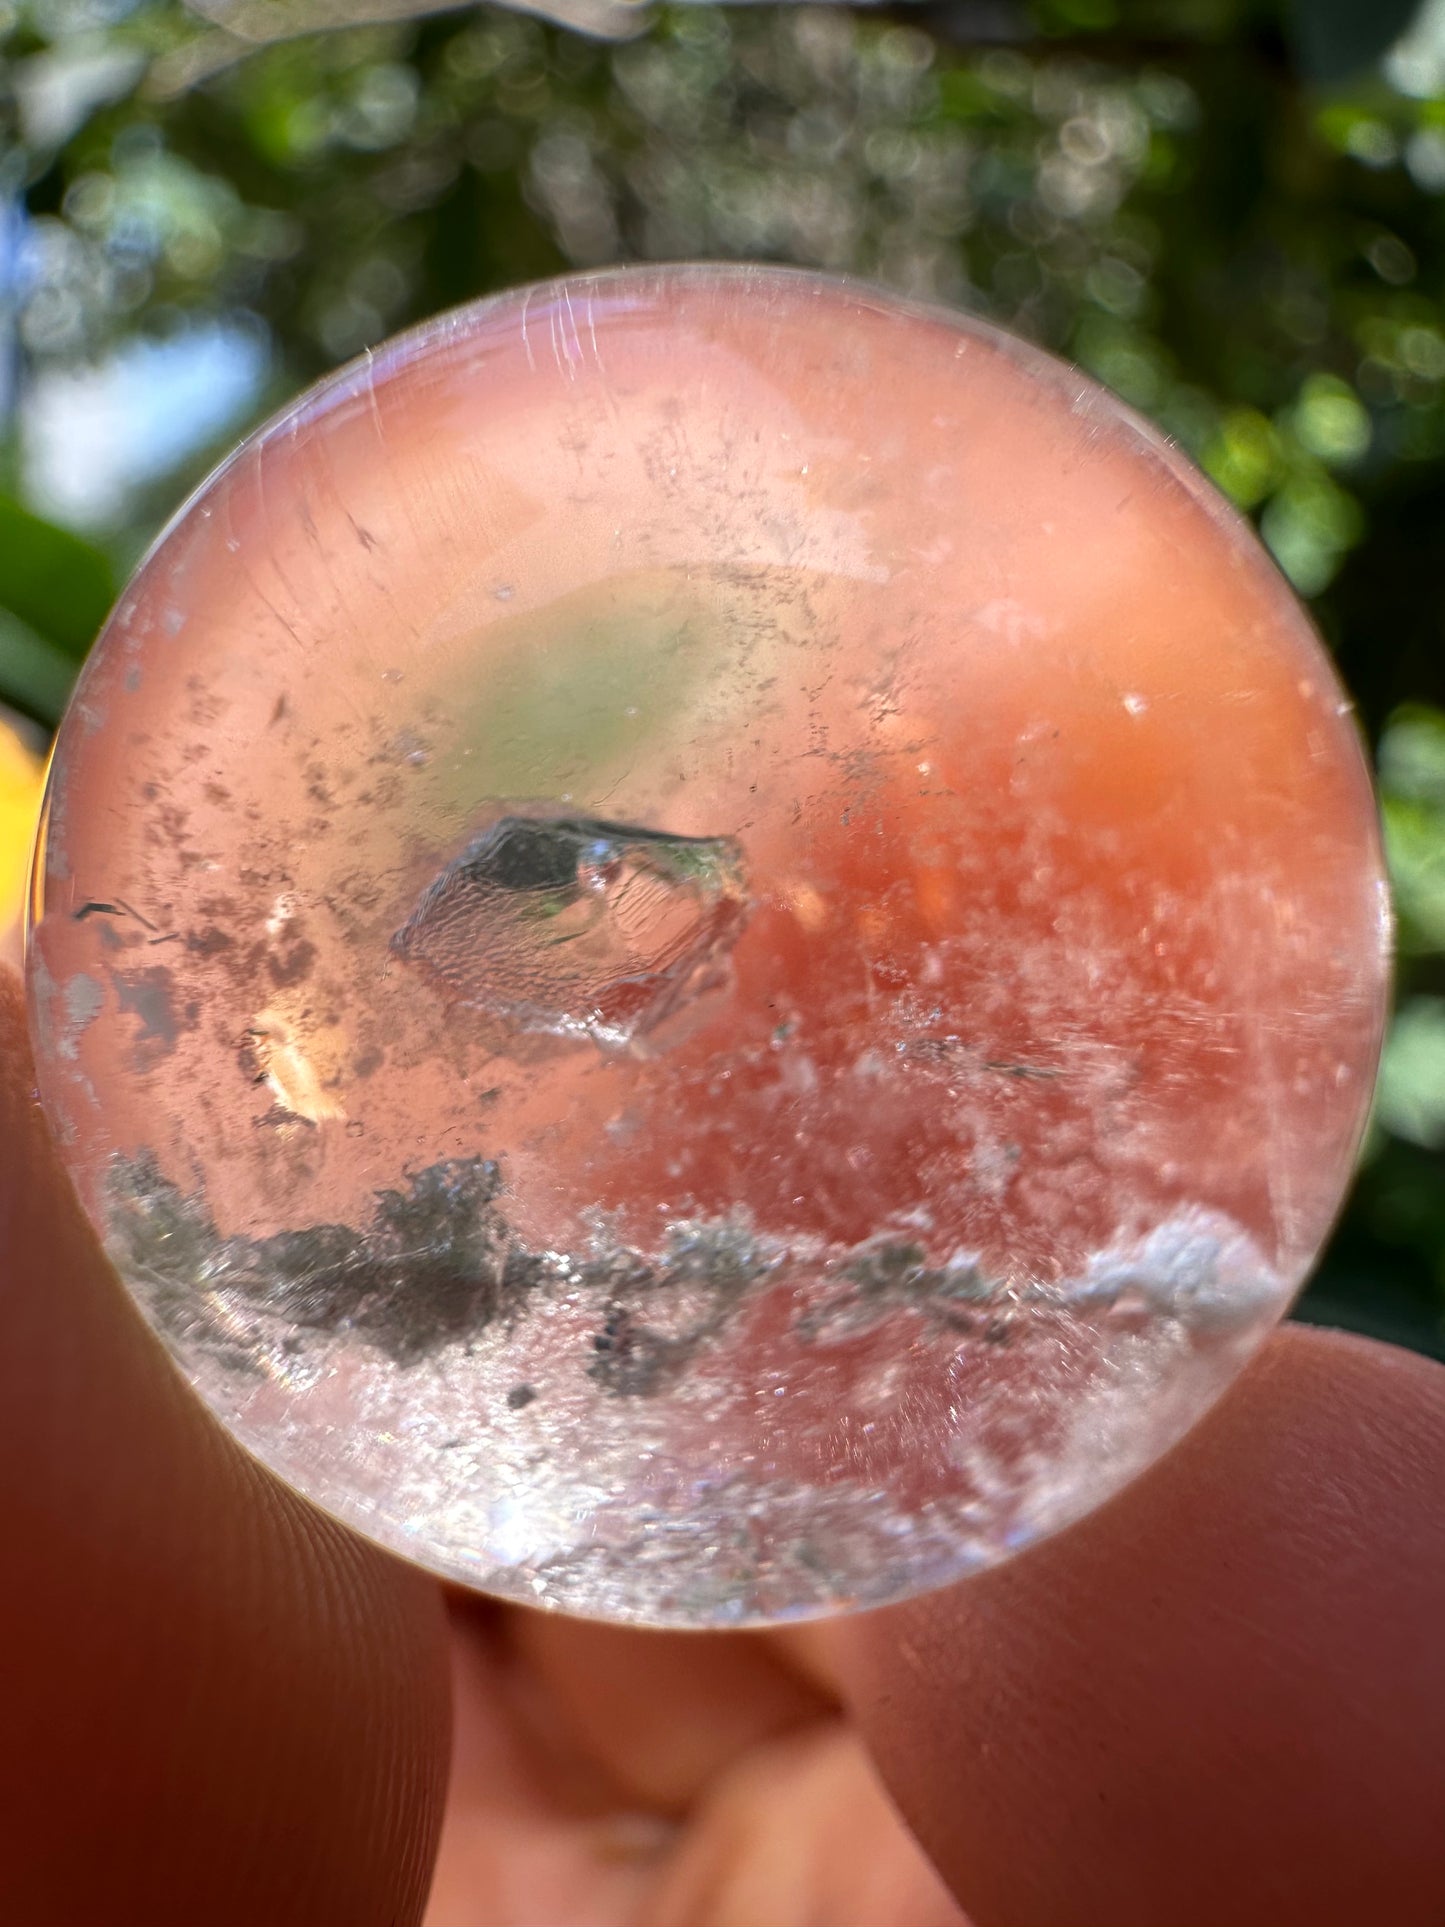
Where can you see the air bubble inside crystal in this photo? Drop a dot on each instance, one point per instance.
(577, 926)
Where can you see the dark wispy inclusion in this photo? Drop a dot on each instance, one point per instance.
(885, 1278)
(437, 1264)
(659, 1318)
(578, 926)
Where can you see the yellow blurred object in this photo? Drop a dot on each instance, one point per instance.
(21, 778)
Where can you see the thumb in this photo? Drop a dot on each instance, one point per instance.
(219, 1706)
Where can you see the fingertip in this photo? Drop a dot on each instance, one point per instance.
(1220, 1700)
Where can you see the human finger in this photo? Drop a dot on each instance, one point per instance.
(219, 1706)
(1217, 1702)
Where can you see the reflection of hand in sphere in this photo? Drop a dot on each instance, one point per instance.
(711, 948)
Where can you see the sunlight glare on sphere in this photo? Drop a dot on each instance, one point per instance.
(709, 947)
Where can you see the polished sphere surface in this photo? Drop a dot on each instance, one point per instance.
(710, 947)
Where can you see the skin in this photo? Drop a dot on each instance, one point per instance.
(1220, 1700)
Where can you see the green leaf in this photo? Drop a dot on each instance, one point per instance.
(35, 676)
(57, 584)
(1412, 755)
(1411, 1099)
(1412, 796)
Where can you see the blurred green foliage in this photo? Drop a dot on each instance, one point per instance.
(1230, 211)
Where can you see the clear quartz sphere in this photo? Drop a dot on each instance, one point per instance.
(710, 947)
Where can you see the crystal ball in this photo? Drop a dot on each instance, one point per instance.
(710, 947)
